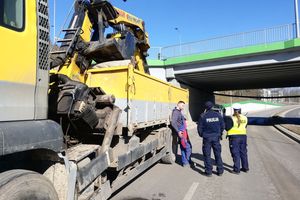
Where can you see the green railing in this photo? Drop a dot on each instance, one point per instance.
(240, 40)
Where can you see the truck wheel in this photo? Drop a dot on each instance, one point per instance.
(25, 185)
(170, 157)
(57, 175)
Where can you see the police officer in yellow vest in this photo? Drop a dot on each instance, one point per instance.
(238, 140)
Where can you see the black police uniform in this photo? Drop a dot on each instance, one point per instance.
(210, 128)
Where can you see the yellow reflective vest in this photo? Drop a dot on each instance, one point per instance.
(241, 130)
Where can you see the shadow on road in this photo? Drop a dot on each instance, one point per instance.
(201, 169)
(137, 198)
(129, 182)
(178, 159)
(159, 197)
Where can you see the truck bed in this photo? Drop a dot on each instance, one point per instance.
(145, 100)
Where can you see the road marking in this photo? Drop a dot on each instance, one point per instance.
(192, 190)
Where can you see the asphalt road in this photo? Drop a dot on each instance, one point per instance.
(274, 173)
(293, 113)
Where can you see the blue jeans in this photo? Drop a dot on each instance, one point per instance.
(186, 153)
(238, 150)
(208, 144)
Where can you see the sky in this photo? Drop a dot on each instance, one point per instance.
(196, 19)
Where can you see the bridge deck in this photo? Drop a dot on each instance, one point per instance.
(237, 52)
(260, 66)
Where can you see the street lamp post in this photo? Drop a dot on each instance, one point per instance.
(54, 18)
(297, 18)
(179, 35)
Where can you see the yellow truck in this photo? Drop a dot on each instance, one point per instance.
(84, 119)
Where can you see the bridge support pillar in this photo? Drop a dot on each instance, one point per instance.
(197, 101)
(197, 96)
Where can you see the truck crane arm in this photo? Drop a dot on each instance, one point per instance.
(85, 39)
(84, 42)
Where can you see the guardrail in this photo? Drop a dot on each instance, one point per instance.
(246, 39)
(155, 53)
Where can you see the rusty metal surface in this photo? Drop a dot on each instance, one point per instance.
(80, 151)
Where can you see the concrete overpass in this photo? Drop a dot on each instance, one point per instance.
(262, 66)
(268, 64)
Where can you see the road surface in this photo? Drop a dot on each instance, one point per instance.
(293, 113)
(274, 173)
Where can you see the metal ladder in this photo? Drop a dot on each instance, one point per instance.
(69, 42)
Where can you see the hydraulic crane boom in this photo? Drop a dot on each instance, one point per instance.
(85, 38)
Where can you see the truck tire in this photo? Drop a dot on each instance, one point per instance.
(170, 156)
(57, 175)
(25, 185)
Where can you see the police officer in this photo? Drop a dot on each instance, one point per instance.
(210, 128)
(238, 140)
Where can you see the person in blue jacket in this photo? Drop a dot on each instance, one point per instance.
(210, 128)
(179, 128)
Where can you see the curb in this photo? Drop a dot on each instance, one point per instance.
(288, 133)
